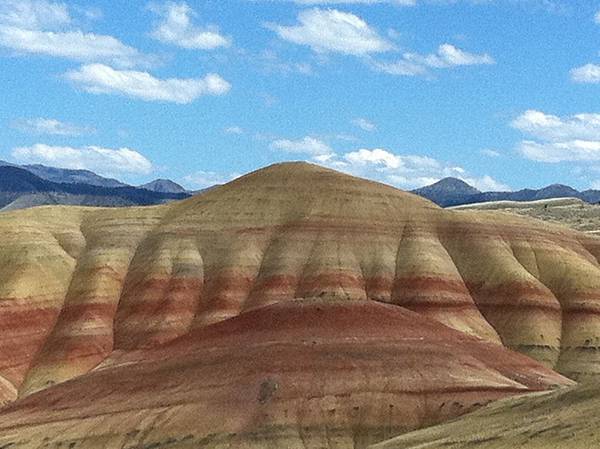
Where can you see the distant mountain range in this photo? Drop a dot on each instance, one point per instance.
(23, 186)
(37, 185)
(454, 192)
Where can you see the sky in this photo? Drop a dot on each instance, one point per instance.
(504, 94)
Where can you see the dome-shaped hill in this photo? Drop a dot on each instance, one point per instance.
(303, 374)
(282, 192)
(78, 284)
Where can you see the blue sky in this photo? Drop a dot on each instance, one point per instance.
(501, 93)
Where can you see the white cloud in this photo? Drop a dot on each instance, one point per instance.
(554, 128)
(589, 74)
(101, 79)
(597, 17)
(307, 145)
(486, 183)
(376, 157)
(402, 170)
(101, 160)
(74, 45)
(572, 138)
(405, 170)
(176, 28)
(38, 27)
(330, 30)
(234, 130)
(364, 124)
(574, 150)
(33, 14)
(447, 56)
(203, 179)
(52, 127)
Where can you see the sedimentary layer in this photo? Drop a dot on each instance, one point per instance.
(304, 374)
(78, 284)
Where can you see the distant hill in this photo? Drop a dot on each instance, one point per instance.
(65, 175)
(572, 212)
(455, 192)
(20, 188)
(447, 190)
(72, 176)
(164, 186)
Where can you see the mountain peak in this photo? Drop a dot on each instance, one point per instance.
(454, 185)
(163, 186)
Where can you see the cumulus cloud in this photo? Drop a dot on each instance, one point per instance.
(407, 171)
(554, 128)
(176, 27)
(100, 160)
(74, 45)
(571, 138)
(573, 150)
(307, 145)
(41, 27)
(486, 184)
(587, 74)
(203, 179)
(447, 56)
(33, 14)
(102, 79)
(364, 124)
(52, 127)
(330, 30)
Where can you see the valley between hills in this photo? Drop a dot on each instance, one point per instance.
(296, 307)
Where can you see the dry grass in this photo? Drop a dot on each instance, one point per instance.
(570, 212)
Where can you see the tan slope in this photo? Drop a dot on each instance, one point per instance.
(565, 419)
(304, 374)
(572, 212)
(79, 283)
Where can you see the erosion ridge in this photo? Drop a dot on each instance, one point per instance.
(80, 283)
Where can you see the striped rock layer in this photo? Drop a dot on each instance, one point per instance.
(77, 284)
(305, 374)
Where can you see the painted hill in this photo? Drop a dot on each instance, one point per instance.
(295, 374)
(19, 188)
(202, 302)
(454, 192)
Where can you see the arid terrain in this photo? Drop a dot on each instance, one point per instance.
(294, 307)
(572, 212)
